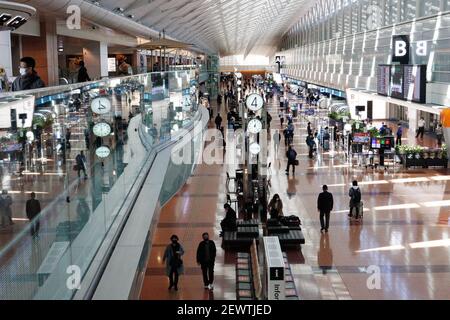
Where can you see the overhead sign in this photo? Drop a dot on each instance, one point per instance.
(14, 15)
(400, 49)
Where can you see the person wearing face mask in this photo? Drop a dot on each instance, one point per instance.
(206, 256)
(275, 207)
(355, 199)
(174, 263)
(5, 208)
(29, 78)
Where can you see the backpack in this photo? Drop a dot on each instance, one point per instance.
(356, 196)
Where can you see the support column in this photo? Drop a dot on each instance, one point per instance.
(5, 49)
(412, 121)
(103, 59)
(44, 49)
(95, 56)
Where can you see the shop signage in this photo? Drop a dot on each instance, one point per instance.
(14, 15)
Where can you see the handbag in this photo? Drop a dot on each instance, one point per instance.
(75, 167)
(296, 163)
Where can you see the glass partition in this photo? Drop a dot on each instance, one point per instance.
(77, 148)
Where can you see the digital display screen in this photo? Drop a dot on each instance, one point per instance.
(414, 82)
(383, 80)
(382, 143)
(396, 85)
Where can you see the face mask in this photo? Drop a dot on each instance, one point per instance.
(174, 241)
(23, 71)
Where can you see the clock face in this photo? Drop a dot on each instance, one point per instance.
(102, 152)
(255, 148)
(254, 102)
(102, 129)
(254, 126)
(101, 105)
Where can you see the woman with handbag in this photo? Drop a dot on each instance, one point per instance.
(174, 263)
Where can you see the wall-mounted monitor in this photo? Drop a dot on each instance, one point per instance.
(385, 143)
(383, 79)
(415, 82)
(396, 83)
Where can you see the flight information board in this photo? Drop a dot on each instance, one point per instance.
(396, 84)
(414, 82)
(383, 78)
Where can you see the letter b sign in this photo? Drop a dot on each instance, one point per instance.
(400, 46)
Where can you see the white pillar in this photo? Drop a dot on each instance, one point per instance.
(103, 59)
(95, 56)
(412, 120)
(5, 49)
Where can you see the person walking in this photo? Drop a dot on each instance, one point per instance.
(218, 121)
(174, 264)
(82, 72)
(68, 136)
(281, 116)
(33, 209)
(324, 206)
(80, 160)
(291, 155)
(439, 134)
(276, 142)
(398, 141)
(206, 256)
(310, 143)
(5, 208)
(28, 78)
(355, 199)
(421, 128)
(275, 207)
(308, 128)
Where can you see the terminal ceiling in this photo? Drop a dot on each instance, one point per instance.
(218, 26)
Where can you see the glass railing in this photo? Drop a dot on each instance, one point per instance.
(42, 134)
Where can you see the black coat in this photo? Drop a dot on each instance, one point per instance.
(325, 202)
(83, 75)
(33, 208)
(202, 249)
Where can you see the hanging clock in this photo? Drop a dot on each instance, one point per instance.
(103, 152)
(101, 129)
(101, 105)
(254, 102)
(254, 126)
(254, 148)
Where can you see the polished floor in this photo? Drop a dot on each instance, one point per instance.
(404, 236)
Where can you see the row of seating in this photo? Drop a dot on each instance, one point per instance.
(248, 275)
(289, 235)
(247, 231)
(290, 289)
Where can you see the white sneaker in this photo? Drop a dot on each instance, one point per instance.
(210, 287)
(207, 287)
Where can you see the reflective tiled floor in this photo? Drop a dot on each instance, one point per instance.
(404, 236)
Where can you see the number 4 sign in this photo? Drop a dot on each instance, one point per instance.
(254, 102)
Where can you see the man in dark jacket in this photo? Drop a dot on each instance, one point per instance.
(325, 205)
(33, 208)
(206, 256)
(218, 121)
(28, 78)
(229, 222)
(80, 160)
(82, 73)
(291, 155)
